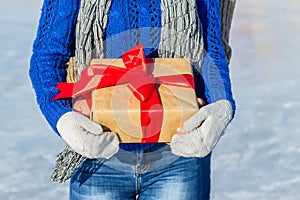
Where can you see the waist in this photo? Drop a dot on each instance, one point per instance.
(137, 147)
(154, 157)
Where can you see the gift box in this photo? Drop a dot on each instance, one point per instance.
(142, 100)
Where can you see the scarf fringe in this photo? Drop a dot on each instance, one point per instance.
(66, 163)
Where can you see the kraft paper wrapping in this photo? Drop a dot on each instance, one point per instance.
(117, 108)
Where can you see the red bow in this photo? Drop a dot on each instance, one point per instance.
(137, 75)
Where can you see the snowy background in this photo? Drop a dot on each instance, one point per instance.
(258, 158)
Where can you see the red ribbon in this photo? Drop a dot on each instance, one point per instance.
(137, 75)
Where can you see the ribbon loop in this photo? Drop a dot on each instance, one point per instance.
(142, 87)
(135, 58)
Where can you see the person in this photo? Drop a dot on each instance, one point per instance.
(103, 28)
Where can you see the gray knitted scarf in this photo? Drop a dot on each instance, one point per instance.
(181, 36)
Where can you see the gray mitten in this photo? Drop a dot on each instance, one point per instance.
(87, 137)
(204, 130)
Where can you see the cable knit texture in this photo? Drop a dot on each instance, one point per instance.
(55, 44)
(214, 70)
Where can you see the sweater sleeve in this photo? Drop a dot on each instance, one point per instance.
(214, 70)
(52, 48)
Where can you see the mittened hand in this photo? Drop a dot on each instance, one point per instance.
(202, 131)
(87, 137)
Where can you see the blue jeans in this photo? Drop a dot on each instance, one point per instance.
(150, 174)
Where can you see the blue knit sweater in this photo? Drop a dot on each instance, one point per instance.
(55, 41)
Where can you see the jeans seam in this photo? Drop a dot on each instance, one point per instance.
(146, 164)
(137, 173)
